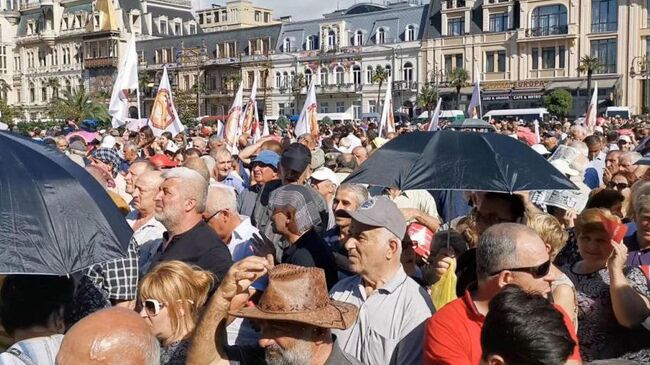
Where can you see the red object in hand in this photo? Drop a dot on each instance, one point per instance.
(615, 230)
(422, 237)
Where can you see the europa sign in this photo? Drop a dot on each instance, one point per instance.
(526, 84)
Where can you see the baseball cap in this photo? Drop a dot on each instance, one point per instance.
(381, 212)
(317, 159)
(108, 142)
(324, 173)
(267, 157)
(625, 138)
(296, 157)
(162, 161)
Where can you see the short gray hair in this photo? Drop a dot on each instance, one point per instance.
(220, 152)
(497, 248)
(359, 191)
(130, 146)
(580, 146)
(220, 196)
(194, 186)
(210, 163)
(633, 156)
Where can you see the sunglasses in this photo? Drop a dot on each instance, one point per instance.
(206, 220)
(152, 307)
(617, 186)
(535, 271)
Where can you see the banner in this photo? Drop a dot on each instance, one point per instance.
(433, 125)
(231, 129)
(474, 107)
(164, 117)
(387, 122)
(590, 116)
(308, 121)
(250, 123)
(127, 80)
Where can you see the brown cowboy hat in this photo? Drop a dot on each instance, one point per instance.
(299, 294)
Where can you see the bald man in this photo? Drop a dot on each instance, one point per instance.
(112, 336)
(360, 154)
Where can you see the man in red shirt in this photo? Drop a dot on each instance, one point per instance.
(507, 253)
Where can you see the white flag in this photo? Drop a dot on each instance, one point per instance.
(231, 128)
(590, 116)
(127, 79)
(266, 131)
(308, 121)
(433, 124)
(250, 123)
(387, 121)
(164, 117)
(474, 107)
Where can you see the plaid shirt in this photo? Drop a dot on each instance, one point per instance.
(108, 156)
(119, 277)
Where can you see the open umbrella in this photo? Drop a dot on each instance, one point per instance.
(54, 217)
(451, 160)
(471, 123)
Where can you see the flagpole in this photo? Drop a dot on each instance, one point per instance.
(137, 93)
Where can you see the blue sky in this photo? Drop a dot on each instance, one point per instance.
(299, 9)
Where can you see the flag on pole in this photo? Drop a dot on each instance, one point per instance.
(127, 80)
(250, 123)
(387, 121)
(266, 131)
(474, 107)
(164, 117)
(433, 124)
(308, 121)
(231, 128)
(590, 116)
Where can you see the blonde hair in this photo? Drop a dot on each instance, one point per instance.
(176, 284)
(550, 230)
(590, 220)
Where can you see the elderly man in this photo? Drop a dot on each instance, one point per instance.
(296, 329)
(627, 162)
(611, 165)
(200, 144)
(325, 182)
(215, 142)
(295, 216)
(577, 133)
(113, 336)
(265, 170)
(360, 154)
(639, 243)
(393, 307)
(180, 204)
(507, 253)
(137, 168)
(345, 165)
(147, 230)
(223, 170)
(130, 151)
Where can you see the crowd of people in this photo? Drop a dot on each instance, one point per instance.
(262, 253)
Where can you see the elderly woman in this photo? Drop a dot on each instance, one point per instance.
(172, 296)
(612, 299)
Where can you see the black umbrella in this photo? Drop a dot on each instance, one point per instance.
(54, 217)
(451, 160)
(471, 123)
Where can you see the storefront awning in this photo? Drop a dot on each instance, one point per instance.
(582, 84)
(571, 85)
(452, 90)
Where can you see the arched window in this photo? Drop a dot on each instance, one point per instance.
(381, 36)
(356, 75)
(324, 76)
(369, 74)
(311, 43)
(32, 92)
(292, 78)
(340, 75)
(278, 80)
(331, 39)
(550, 19)
(286, 46)
(409, 35)
(308, 75)
(408, 72)
(285, 79)
(389, 70)
(358, 38)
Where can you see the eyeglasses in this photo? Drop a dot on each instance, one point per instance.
(617, 186)
(206, 220)
(152, 307)
(536, 271)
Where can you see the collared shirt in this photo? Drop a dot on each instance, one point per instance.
(199, 246)
(240, 244)
(311, 251)
(415, 199)
(233, 180)
(390, 325)
(453, 334)
(148, 238)
(246, 200)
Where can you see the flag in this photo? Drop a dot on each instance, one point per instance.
(250, 123)
(474, 107)
(266, 131)
(231, 129)
(308, 121)
(590, 116)
(164, 117)
(433, 124)
(127, 79)
(387, 121)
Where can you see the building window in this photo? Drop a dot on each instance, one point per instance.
(356, 109)
(605, 51)
(311, 43)
(286, 46)
(163, 27)
(44, 93)
(604, 15)
(498, 22)
(372, 106)
(192, 29)
(562, 57)
(258, 16)
(281, 109)
(356, 75)
(548, 20)
(381, 36)
(178, 29)
(456, 26)
(324, 107)
(323, 76)
(409, 35)
(331, 39)
(495, 61)
(340, 76)
(548, 57)
(308, 76)
(408, 72)
(340, 107)
(534, 54)
(369, 74)
(32, 93)
(267, 17)
(358, 37)
(453, 61)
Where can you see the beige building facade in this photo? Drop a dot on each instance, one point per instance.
(235, 14)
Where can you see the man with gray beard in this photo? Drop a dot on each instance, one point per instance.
(180, 203)
(296, 329)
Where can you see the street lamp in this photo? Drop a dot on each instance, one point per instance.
(640, 66)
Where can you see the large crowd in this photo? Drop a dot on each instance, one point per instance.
(261, 253)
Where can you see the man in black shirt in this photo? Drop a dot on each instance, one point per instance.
(180, 203)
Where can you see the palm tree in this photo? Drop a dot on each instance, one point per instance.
(458, 78)
(55, 84)
(144, 79)
(428, 98)
(380, 76)
(235, 80)
(298, 83)
(78, 105)
(589, 65)
(4, 89)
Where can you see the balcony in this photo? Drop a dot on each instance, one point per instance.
(551, 32)
(491, 4)
(454, 4)
(101, 62)
(548, 73)
(338, 88)
(405, 86)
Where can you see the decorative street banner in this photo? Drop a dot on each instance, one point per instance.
(308, 121)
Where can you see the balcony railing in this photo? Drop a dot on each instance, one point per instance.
(546, 31)
(453, 4)
(405, 85)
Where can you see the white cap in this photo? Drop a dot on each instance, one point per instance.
(539, 148)
(564, 167)
(324, 173)
(108, 142)
(625, 138)
(598, 129)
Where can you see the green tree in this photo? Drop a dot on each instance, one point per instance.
(9, 112)
(558, 102)
(282, 122)
(380, 76)
(428, 98)
(589, 65)
(458, 79)
(4, 89)
(78, 105)
(144, 79)
(187, 107)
